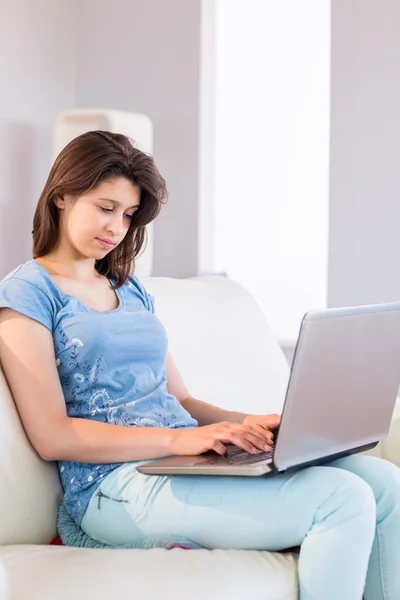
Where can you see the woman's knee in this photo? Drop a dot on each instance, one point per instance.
(381, 475)
(345, 495)
(383, 478)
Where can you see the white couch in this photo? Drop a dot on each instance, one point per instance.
(227, 356)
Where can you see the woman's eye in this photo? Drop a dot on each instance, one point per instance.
(107, 210)
(130, 217)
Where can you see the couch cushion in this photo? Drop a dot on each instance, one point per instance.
(56, 572)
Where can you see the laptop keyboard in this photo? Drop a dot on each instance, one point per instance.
(237, 456)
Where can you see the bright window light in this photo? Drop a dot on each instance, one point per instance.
(272, 152)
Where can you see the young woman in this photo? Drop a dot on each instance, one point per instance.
(88, 365)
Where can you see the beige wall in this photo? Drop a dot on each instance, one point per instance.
(132, 55)
(365, 152)
(146, 57)
(37, 59)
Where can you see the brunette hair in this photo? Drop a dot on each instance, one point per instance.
(86, 161)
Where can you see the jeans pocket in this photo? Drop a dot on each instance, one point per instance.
(99, 495)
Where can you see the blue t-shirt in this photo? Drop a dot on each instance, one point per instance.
(112, 365)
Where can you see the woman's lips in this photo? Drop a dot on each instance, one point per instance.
(106, 244)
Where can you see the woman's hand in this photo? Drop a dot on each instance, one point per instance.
(266, 423)
(194, 441)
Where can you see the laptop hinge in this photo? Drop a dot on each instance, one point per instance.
(327, 459)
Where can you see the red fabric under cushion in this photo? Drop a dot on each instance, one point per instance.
(56, 542)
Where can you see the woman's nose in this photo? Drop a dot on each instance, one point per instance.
(115, 225)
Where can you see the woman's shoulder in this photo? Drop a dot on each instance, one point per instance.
(31, 281)
(135, 286)
(31, 273)
(26, 290)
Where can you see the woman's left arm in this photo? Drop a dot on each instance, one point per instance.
(206, 414)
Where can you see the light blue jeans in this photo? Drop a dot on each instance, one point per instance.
(345, 516)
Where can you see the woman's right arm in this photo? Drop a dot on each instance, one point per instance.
(28, 361)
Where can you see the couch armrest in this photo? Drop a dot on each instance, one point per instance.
(391, 445)
(389, 448)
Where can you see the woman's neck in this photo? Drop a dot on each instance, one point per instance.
(83, 270)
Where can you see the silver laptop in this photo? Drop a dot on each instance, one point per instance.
(340, 398)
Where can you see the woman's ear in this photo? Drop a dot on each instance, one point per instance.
(59, 202)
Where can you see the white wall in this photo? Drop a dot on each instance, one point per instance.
(37, 68)
(365, 152)
(145, 57)
(272, 130)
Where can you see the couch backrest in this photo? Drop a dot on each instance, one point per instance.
(226, 354)
(221, 342)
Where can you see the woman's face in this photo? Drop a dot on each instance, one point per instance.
(96, 222)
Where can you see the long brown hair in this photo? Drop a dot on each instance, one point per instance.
(86, 161)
